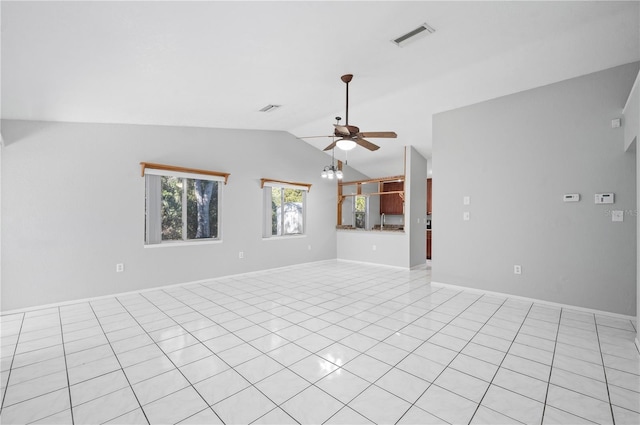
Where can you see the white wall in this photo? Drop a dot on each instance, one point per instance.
(391, 248)
(631, 124)
(73, 207)
(631, 121)
(515, 157)
(416, 189)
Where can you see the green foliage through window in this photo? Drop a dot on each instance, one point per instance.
(200, 218)
(360, 212)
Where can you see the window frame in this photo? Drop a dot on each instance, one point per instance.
(184, 174)
(267, 186)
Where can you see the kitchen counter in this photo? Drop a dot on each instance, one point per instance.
(376, 229)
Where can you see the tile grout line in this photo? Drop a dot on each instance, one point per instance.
(45, 375)
(360, 295)
(380, 341)
(550, 366)
(13, 357)
(389, 315)
(507, 352)
(412, 351)
(245, 341)
(568, 371)
(498, 368)
(251, 384)
(311, 353)
(604, 370)
(121, 368)
(295, 324)
(66, 367)
(172, 362)
(553, 357)
(371, 384)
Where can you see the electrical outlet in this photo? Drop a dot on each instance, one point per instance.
(465, 216)
(241, 254)
(119, 268)
(517, 269)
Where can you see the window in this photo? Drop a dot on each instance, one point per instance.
(360, 212)
(284, 208)
(181, 206)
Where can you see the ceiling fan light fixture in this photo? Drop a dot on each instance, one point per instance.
(345, 144)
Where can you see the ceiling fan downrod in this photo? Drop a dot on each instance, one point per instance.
(347, 79)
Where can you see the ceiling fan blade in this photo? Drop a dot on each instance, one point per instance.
(315, 137)
(331, 146)
(380, 134)
(366, 144)
(342, 129)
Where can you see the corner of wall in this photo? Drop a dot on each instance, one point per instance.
(416, 195)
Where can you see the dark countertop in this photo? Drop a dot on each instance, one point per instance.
(390, 229)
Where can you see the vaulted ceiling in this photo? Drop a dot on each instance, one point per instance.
(215, 64)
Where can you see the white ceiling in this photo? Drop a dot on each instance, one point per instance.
(215, 64)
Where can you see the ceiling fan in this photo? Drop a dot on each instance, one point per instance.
(350, 135)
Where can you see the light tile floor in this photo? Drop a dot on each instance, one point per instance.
(334, 343)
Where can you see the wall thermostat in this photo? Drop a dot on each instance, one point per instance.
(571, 197)
(604, 198)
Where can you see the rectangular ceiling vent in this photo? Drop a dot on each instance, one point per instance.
(270, 108)
(423, 29)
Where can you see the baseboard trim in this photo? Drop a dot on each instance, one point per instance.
(155, 288)
(367, 263)
(534, 300)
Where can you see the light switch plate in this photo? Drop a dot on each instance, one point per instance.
(466, 200)
(465, 216)
(617, 215)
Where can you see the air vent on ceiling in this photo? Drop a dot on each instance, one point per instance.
(423, 29)
(270, 108)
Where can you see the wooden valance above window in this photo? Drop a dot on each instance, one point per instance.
(184, 170)
(286, 184)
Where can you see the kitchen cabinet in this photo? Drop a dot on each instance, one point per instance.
(392, 204)
(429, 197)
